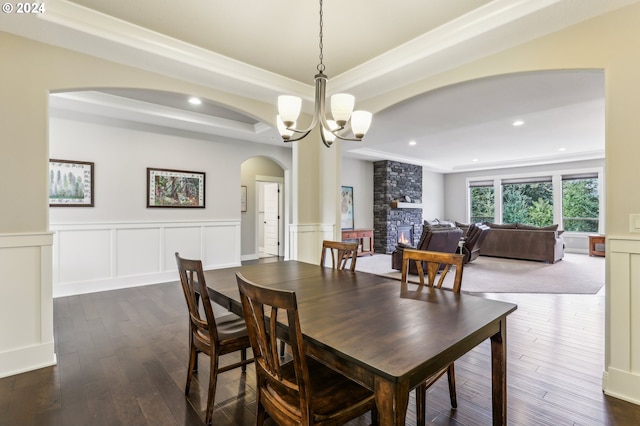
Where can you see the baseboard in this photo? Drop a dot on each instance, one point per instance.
(117, 283)
(622, 385)
(26, 359)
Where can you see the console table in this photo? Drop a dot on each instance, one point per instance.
(360, 235)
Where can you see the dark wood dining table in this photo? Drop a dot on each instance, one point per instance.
(385, 335)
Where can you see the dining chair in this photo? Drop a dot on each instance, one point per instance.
(301, 391)
(209, 335)
(431, 261)
(341, 253)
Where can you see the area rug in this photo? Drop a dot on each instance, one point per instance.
(575, 274)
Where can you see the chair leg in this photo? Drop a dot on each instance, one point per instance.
(191, 368)
(211, 394)
(243, 357)
(375, 419)
(282, 348)
(451, 375)
(421, 396)
(261, 413)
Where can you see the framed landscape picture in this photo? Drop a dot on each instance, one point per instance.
(346, 207)
(175, 188)
(70, 183)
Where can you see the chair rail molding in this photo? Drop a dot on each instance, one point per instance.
(90, 257)
(305, 240)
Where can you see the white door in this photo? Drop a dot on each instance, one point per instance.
(271, 218)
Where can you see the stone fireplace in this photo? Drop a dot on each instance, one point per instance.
(393, 181)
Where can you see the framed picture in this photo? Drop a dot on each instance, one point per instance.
(70, 183)
(243, 198)
(175, 188)
(346, 207)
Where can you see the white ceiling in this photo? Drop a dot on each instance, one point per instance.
(260, 49)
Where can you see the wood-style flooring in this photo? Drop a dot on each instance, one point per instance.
(122, 359)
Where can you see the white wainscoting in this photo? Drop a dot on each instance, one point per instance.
(305, 241)
(621, 377)
(26, 304)
(107, 256)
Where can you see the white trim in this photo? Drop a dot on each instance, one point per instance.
(29, 346)
(111, 263)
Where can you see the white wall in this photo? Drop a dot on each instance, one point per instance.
(359, 175)
(433, 196)
(120, 242)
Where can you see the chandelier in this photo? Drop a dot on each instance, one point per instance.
(341, 110)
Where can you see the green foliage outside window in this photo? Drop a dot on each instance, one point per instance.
(532, 204)
(482, 204)
(528, 203)
(580, 205)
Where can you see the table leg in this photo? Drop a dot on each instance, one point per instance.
(392, 400)
(499, 374)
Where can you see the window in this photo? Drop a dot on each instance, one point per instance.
(482, 199)
(528, 201)
(569, 198)
(580, 203)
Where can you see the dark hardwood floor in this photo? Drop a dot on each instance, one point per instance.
(122, 359)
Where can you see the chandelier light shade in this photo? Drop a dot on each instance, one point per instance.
(342, 112)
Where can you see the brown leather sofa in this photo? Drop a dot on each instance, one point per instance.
(443, 239)
(518, 241)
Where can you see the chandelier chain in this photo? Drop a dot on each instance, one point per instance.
(320, 66)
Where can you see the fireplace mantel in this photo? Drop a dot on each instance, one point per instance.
(399, 205)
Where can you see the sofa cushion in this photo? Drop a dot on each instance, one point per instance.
(538, 228)
(501, 225)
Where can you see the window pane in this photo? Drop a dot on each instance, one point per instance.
(580, 205)
(482, 203)
(528, 203)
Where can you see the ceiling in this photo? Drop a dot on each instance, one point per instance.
(259, 49)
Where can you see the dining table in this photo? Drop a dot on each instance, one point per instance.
(386, 335)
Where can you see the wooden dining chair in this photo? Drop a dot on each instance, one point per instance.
(209, 335)
(301, 391)
(341, 253)
(430, 262)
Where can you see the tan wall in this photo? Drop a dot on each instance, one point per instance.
(35, 70)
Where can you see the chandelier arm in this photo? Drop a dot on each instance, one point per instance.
(324, 140)
(347, 139)
(304, 135)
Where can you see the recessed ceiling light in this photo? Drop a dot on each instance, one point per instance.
(562, 149)
(518, 123)
(412, 143)
(194, 101)
(475, 160)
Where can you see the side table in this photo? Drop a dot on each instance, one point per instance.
(596, 245)
(360, 235)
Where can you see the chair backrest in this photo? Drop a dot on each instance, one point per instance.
(433, 261)
(261, 306)
(341, 253)
(440, 239)
(475, 235)
(195, 292)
